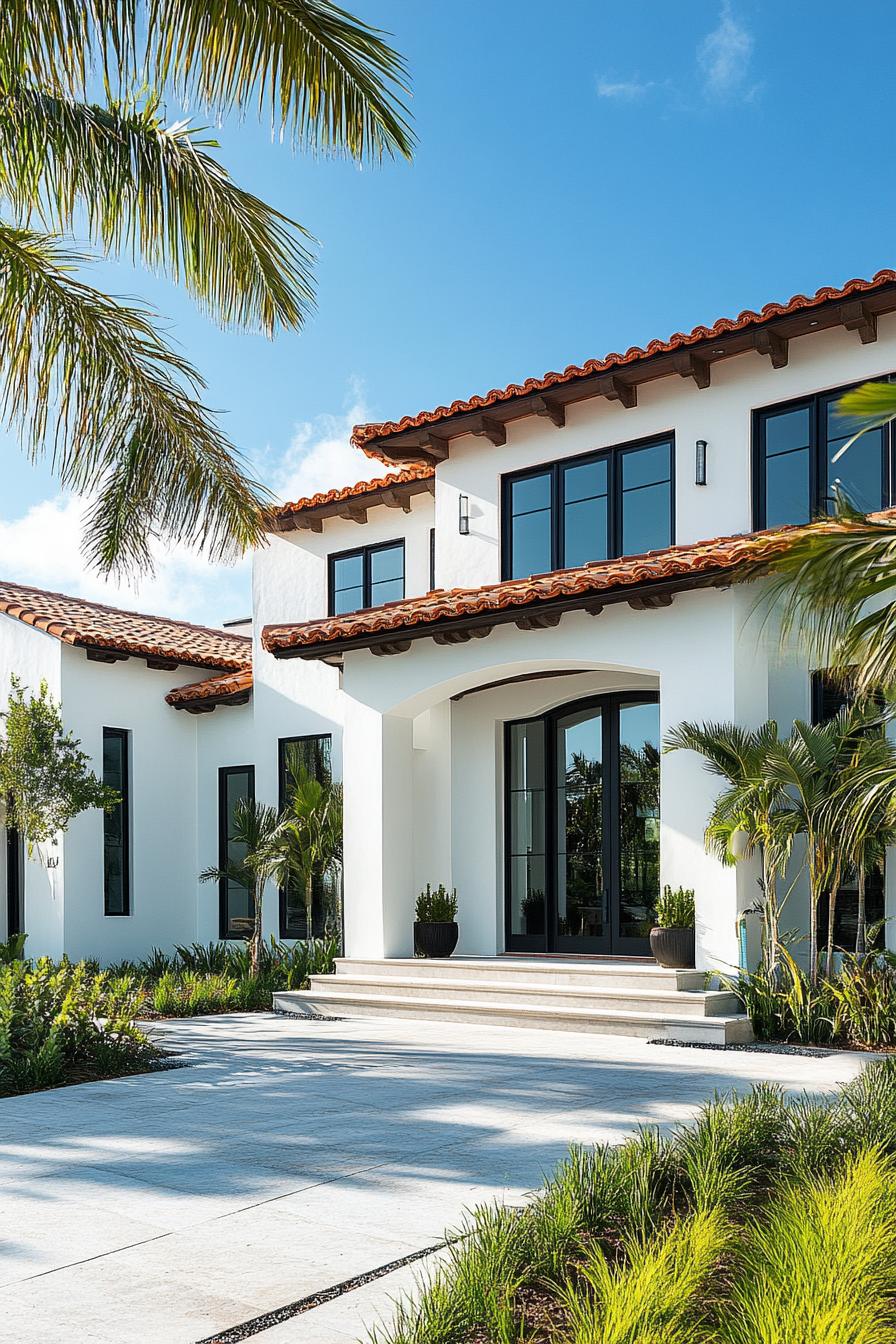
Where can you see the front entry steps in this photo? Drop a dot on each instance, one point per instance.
(616, 998)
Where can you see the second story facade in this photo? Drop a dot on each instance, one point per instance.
(727, 430)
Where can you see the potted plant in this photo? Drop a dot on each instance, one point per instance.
(435, 926)
(672, 937)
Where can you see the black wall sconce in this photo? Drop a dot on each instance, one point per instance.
(700, 463)
(463, 515)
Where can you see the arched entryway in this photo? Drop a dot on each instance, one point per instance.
(582, 827)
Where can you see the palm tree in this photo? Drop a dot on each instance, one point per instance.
(87, 379)
(864, 808)
(311, 832)
(748, 816)
(256, 835)
(835, 570)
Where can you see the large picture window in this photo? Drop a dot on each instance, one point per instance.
(367, 577)
(236, 784)
(615, 502)
(117, 825)
(313, 754)
(795, 475)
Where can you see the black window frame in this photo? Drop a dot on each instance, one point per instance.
(816, 403)
(432, 559)
(225, 934)
(121, 735)
(283, 743)
(15, 883)
(613, 456)
(365, 552)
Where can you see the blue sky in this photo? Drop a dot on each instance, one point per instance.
(588, 176)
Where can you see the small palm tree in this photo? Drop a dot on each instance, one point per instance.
(257, 834)
(310, 838)
(88, 380)
(748, 816)
(864, 808)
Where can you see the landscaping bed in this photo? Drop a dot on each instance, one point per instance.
(766, 1221)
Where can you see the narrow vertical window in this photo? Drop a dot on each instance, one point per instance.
(313, 755)
(646, 505)
(117, 825)
(432, 558)
(236, 784)
(531, 526)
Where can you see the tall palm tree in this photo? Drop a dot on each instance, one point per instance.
(748, 816)
(256, 835)
(311, 832)
(835, 585)
(89, 380)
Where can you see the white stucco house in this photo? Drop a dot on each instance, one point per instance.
(487, 646)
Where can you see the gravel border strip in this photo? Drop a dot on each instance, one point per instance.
(304, 1017)
(769, 1048)
(257, 1324)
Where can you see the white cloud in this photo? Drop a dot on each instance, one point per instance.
(724, 57)
(321, 456)
(627, 90)
(43, 546)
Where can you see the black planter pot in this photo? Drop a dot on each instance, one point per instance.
(673, 948)
(434, 940)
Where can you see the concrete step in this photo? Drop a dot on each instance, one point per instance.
(333, 1002)
(616, 974)
(599, 997)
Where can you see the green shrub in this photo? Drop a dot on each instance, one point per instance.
(675, 909)
(437, 907)
(61, 1023)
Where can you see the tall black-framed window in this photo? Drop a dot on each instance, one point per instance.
(619, 501)
(117, 824)
(313, 754)
(795, 475)
(828, 697)
(15, 883)
(236, 913)
(432, 558)
(366, 577)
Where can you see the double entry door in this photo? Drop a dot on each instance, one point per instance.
(582, 827)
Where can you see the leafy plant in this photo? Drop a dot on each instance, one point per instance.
(675, 909)
(258, 837)
(45, 777)
(436, 907)
(311, 831)
(13, 949)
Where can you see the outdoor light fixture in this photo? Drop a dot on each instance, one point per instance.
(463, 515)
(700, 463)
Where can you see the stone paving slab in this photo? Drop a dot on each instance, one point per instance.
(294, 1155)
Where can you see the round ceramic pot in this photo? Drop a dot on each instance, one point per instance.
(434, 940)
(673, 947)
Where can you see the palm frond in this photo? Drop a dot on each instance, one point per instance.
(126, 426)
(324, 77)
(152, 191)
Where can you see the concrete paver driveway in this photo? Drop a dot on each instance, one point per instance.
(294, 1155)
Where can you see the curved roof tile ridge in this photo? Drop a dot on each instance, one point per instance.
(416, 471)
(362, 435)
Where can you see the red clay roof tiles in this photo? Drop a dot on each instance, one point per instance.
(694, 561)
(213, 688)
(415, 472)
(364, 435)
(74, 620)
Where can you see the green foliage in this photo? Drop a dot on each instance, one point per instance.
(675, 909)
(13, 949)
(310, 835)
(87, 142)
(258, 834)
(45, 777)
(62, 1023)
(744, 1227)
(436, 907)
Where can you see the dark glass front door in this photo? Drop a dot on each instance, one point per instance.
(582, 828)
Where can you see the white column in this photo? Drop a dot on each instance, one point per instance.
(379, 823)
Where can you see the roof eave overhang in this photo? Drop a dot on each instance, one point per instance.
(354, 507)
(162, 660)
(211, 702)
(528, 616)
(620, 382)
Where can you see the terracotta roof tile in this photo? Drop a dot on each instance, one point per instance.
(363, 435)
(693, 561)
(213, 688)
(74, 620)
(415, 472)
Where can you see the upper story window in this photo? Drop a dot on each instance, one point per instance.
(366, 577)
(794, 472)
(615, 502)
